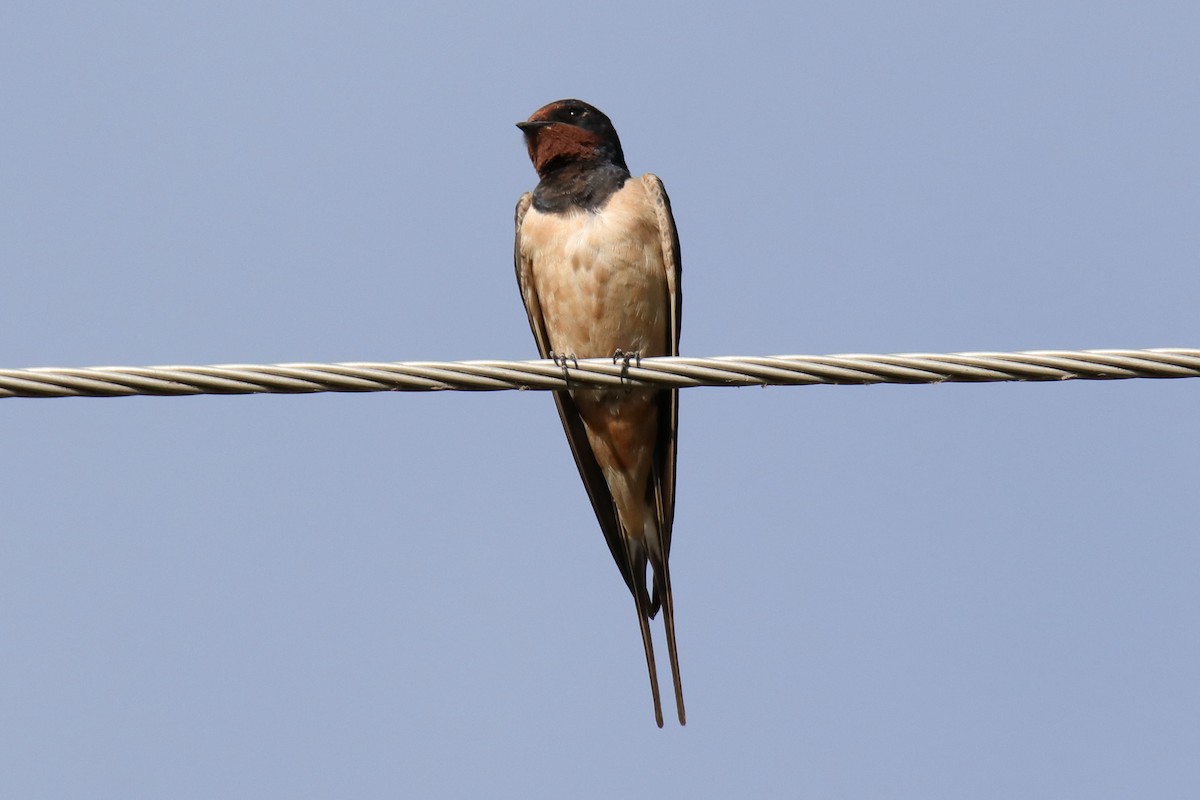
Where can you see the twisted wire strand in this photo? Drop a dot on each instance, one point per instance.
(675, 372)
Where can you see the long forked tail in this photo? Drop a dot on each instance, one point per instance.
(662, 596)
(640, 600)
(663, 599)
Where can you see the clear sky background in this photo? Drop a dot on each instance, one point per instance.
(985, 591)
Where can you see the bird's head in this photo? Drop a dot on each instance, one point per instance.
(571, 132)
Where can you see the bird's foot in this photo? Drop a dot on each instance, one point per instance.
(561, 359)
(634, 356)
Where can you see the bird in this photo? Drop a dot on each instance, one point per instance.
(598, 266)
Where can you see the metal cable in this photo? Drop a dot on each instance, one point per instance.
(678, 372)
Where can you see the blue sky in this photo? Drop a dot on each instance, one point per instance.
(893, 591)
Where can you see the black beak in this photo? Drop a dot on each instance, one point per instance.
(529, 126)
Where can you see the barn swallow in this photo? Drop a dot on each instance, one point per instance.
(597, 258)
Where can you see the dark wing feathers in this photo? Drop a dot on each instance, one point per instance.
(668, 425)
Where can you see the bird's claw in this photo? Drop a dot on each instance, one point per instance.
(634, 356)
(561, 359)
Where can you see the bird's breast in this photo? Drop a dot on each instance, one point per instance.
(600, 276)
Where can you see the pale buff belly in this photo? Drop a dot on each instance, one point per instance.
(600, 277)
